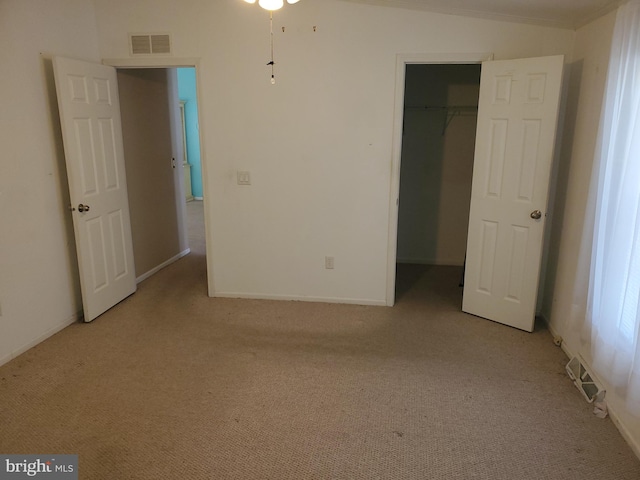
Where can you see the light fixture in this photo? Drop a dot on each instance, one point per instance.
(272, 5)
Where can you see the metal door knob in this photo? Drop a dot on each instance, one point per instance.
(536, 214)
(86, 208)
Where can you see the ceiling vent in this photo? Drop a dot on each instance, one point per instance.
(150, 43)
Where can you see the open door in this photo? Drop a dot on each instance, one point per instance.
(515, 138)
(92, 134)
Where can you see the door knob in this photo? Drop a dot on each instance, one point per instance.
(85, 208)
(536, 214)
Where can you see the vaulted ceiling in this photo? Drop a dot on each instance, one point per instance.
(556, 13)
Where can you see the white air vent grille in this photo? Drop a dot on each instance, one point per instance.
(583, 380)
(150, 44)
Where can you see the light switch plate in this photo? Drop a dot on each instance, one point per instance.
(329, 263)
(244, 178)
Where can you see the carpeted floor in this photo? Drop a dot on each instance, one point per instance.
(171, 384)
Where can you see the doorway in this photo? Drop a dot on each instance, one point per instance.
(192, 161)
(155, 155)
(424, 193)
(438, 140)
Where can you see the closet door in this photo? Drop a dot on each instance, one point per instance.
(515, 138)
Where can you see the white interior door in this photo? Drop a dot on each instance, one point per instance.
(515, 138)
(92, 134)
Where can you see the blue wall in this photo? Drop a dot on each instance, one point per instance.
(187, 93)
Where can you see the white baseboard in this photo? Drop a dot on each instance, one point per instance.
(624, 431)
(155, 270)
(301, 298)
(615, 418)
(198, 198)
(52, 331)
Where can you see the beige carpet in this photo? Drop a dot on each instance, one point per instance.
(171, 384)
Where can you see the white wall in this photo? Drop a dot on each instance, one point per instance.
(318, 143)
(566, 288)
(437, 163)
(39, 289)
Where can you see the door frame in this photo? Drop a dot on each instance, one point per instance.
(181, 62)
(402, 60)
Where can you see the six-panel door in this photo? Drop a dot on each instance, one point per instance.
(92, 134)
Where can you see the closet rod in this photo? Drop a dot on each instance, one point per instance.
(471, 108)
(451, 111)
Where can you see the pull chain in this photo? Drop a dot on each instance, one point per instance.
(272, 63)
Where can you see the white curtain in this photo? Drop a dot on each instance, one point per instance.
(613, 308)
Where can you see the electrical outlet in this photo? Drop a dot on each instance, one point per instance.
(244, 178)
(328, 263)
